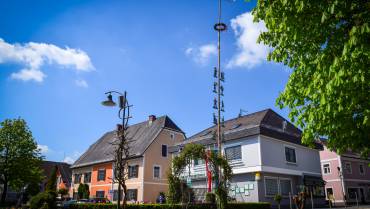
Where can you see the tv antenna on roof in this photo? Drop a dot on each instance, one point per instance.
(241, 111)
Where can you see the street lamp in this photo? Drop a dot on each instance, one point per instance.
(122, 148)
(343, 190)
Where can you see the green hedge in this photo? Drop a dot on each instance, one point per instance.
(247, 205)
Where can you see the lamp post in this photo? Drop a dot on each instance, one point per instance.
(122, 150)
(341, 183)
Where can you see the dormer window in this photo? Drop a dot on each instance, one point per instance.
(235, 126)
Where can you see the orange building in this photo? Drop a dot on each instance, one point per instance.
(149, 142)
(64, 173)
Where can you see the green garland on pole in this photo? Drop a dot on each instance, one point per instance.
(197, 151)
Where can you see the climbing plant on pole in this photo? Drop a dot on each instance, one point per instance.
(197, 151)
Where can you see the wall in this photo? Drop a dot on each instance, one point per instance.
(273, 156)
(105, 185)
(82, 170)
(153, 156)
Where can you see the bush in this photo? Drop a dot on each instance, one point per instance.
(42, 200)
(47, 199)
(210, 197)
(248, 205)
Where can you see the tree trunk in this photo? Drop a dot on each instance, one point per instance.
(125, 196)
(119, 196)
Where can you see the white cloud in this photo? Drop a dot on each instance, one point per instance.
(69, 160)
(34, 55)
(72, 158)
(250, 53)
(81, 83)
(43, 148)
(202, 54)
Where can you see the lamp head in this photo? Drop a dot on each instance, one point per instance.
(109, 102)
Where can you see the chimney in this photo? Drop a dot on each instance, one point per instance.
(151, 119)
(284, 125)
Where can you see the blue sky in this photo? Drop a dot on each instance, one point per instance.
(161, 52)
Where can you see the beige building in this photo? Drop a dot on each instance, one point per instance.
(147, 168)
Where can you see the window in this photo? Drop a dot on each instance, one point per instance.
(164, 150)
(329, 193)
(157, 172)
(87, 177)
(348, 167)
(77, 178)
(115, 195)
(326, 168)
(101, 175)
(361, 169)
(285, 187)
(172, 135)
(290, 155)
(271, 186)
(133, 171)
(100, 194)
(199, 162)
(352, 193)
(132, 194)
(234, 153)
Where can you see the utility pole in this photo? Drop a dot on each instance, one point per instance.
(218, 88)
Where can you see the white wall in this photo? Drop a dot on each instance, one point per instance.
(273, 155)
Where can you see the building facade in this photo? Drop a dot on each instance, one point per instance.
(148, 164)
(346, 175)
(266, 156)
(64, 174)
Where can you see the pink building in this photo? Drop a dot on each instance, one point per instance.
(345, 175)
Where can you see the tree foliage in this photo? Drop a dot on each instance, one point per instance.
(46, 199)
(19, 156)
(83, 191)
(327, 44)
(197, 151)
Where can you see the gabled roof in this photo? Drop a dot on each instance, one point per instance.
(266, 122)
(63, 168)
(140, 136)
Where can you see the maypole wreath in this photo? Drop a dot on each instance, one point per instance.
(197, 151)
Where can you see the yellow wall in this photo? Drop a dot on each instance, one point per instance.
(152, 157)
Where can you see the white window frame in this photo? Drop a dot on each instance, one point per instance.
(348, 171)
(232, 146)
(166, 150)
(326, 192)
(160, 172)
(323, 168)
(100, 191)
(295, 152)
(363, 168)
(278, 185)
(133, 165)
(105, 175)
(172, 136)
(291, 186)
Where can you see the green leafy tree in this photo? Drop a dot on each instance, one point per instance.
(19, 156)
(327, 44)
(46, 199)
(63, 192)
(83, 191)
